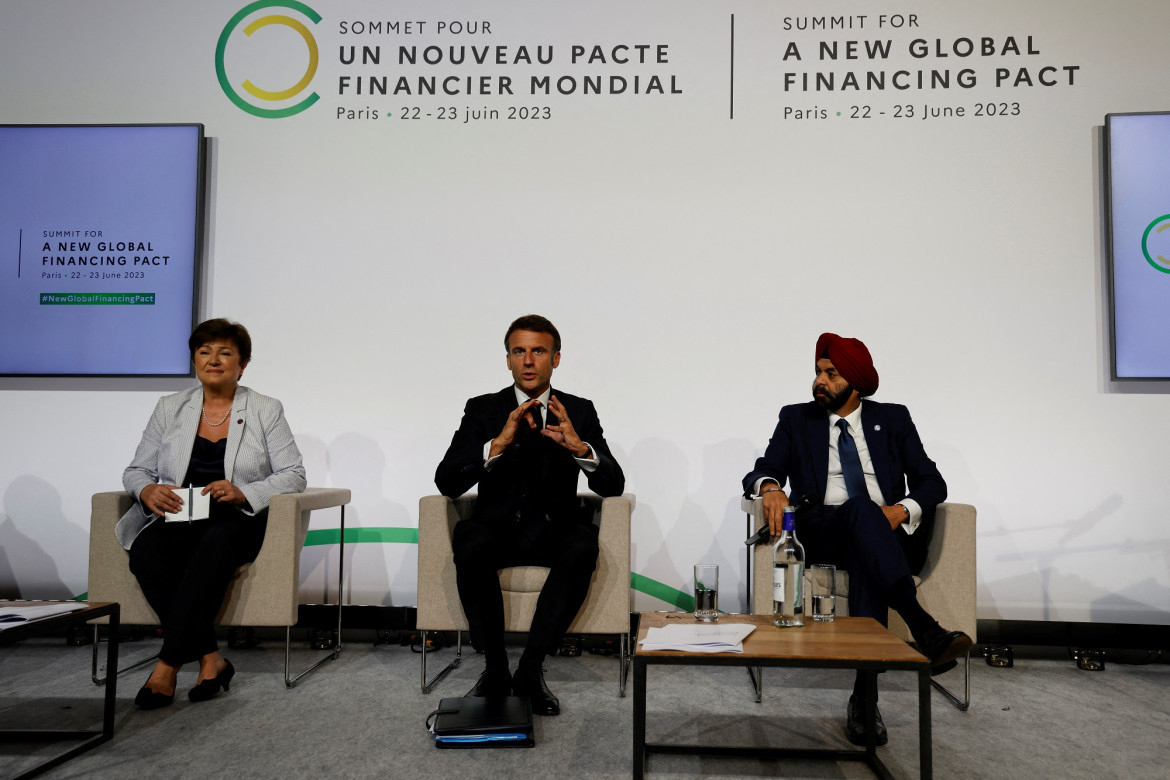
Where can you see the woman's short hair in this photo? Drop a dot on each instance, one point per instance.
(220, 329)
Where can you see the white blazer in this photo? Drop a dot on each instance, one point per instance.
(262, 458)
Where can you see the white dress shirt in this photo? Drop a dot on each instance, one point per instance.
(835, 491)
(588, 464)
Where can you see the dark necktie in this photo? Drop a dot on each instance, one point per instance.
(532, 510)
(850, 463)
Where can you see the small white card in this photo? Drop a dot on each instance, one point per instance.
(195, 506)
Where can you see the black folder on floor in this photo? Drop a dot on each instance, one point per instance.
(472, 721)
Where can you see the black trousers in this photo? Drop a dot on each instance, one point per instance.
(184, 570)
(857, 538)
(482, 549)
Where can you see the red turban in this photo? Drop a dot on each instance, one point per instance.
(852, 361)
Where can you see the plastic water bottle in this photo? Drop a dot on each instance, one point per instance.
(788, 575)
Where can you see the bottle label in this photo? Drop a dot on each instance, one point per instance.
(778, 573)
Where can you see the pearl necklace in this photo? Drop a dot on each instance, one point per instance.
(222, 420)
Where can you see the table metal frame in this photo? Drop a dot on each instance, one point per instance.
(91, 738)
(869, 668)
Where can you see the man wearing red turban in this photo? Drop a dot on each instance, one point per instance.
(875, 493)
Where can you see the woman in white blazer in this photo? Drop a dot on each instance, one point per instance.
(232, 444)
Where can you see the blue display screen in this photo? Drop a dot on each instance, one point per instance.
(1138, 186)
(99, 248)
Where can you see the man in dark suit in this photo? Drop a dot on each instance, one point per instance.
(872, 491)
(525, 447)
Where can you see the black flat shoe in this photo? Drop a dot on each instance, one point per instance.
(148, 699)
(531, 685)
(209, 688)
(855, 724)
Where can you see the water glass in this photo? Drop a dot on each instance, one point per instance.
(824, 592)
(707, 592)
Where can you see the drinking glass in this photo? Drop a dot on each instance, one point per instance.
(824, 594)
(706, 592)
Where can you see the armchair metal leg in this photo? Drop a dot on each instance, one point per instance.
(965, 702)
(94, 670)
(427, 687)
(756, 675)
(626, 659)
(289, 682)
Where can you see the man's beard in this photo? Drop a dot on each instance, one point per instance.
(830, 400)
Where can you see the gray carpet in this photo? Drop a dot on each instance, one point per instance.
(362, 716)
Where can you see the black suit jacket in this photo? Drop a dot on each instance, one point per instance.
(798, 454)
(505, 489)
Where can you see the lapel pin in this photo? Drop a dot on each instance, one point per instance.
(877, 427)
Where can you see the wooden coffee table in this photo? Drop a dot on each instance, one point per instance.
(846, 643)
(35, 627)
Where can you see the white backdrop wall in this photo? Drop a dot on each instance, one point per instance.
(689, 244)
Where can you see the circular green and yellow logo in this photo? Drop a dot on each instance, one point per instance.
(274, 57)
(1156, 247)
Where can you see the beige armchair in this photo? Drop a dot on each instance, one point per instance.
(946, 585)
(263, 593)
(606, 609)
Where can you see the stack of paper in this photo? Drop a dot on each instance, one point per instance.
(16, 615)
(698, 637)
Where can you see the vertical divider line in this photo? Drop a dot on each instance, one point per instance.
(731, 107)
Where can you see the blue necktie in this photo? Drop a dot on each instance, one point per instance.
(850, 463)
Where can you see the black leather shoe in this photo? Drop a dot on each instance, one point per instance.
(207, 689)
(148, 699)
(942, 647)
(530, 685)
(943, 668)
(855, 723)
(492, 685)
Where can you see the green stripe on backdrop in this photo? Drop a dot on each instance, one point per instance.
(363, 535)
(638, 582)
(643, 584)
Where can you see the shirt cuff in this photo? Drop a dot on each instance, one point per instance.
(588, 464)
(488, 462)
(915, 519)
(760, 485)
